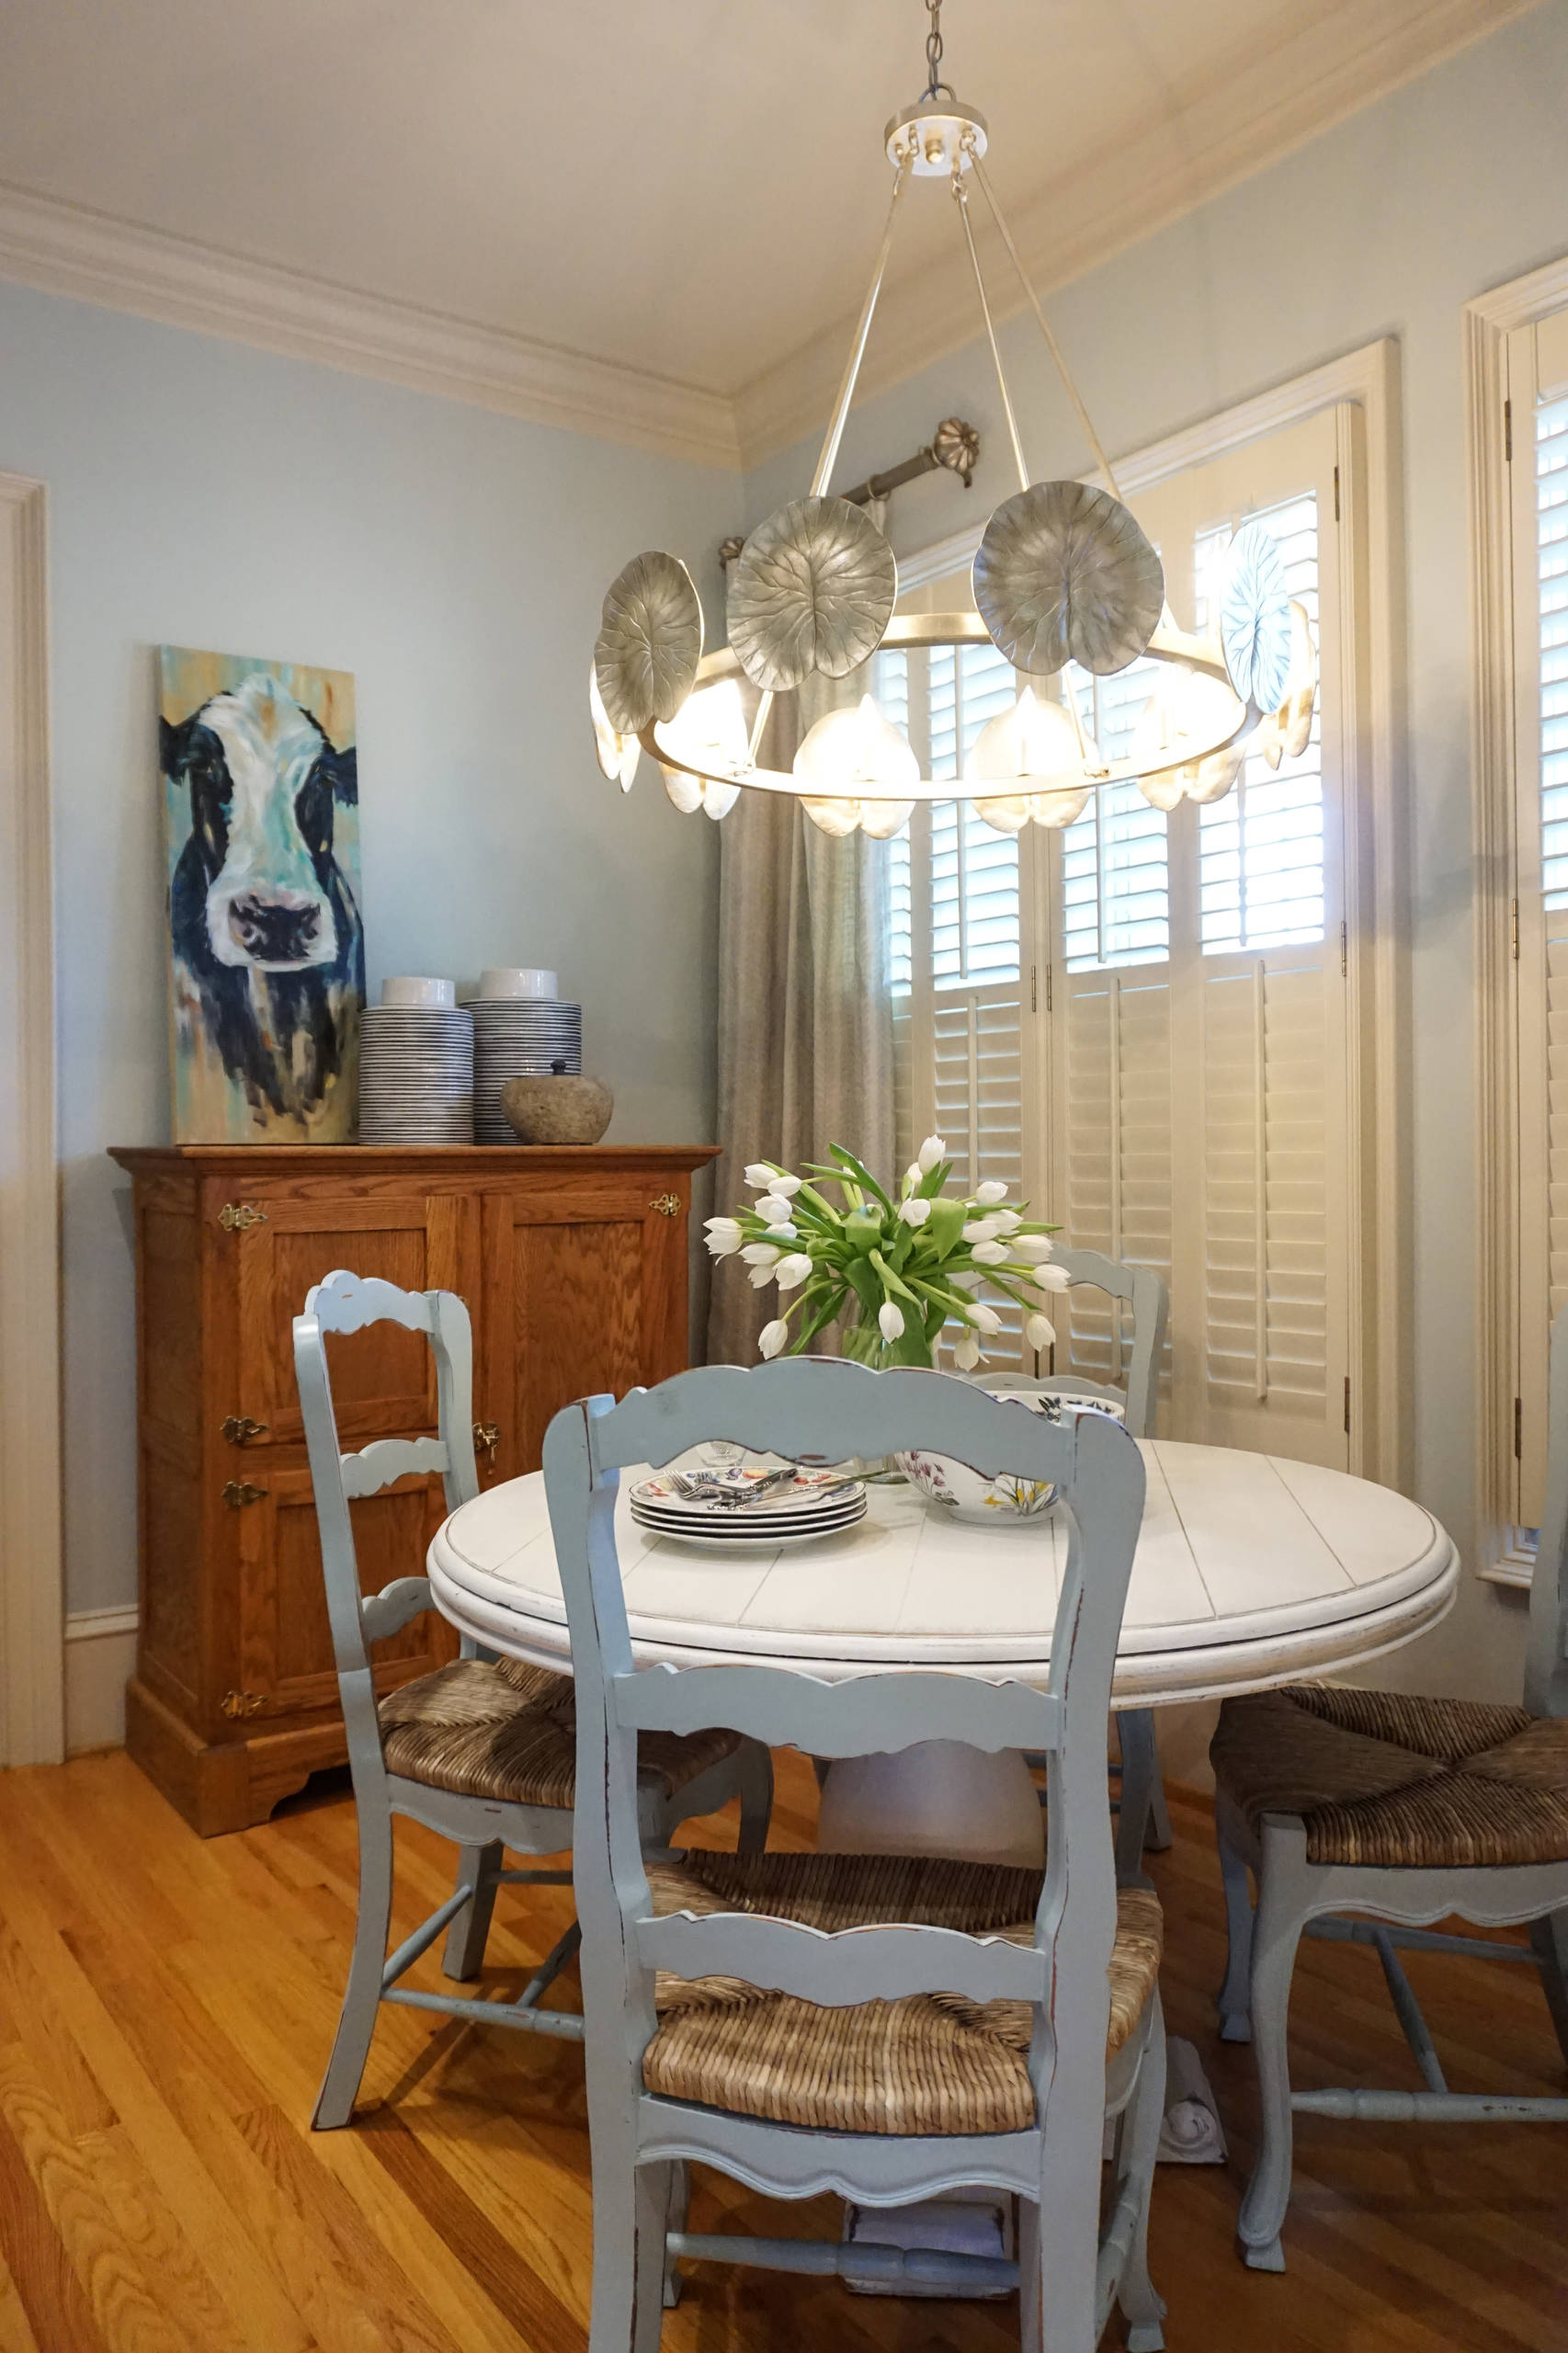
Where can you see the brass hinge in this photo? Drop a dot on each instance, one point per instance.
(1034, 988)
(1336, 493)
(1344, 950)
(1518, 1430)
(239, 1492)
(667, 1205)
(1347, 1404)
(486, 1439)
(1050, 974)
(238, 1428)
(241, 1703)
(1507, 433)
(235, 1216)
(1513, 928)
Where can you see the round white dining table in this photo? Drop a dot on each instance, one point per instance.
(1250, 1570)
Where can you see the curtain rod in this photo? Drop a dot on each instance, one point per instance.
(954, 445)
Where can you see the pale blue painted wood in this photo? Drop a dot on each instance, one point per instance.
(1293, 1895)
(846, 1719)
(810, 1408)
(482, 1828)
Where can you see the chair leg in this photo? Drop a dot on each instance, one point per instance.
(1059, 2257)
(465, 1954)
(1549, 1939)
(362, 1995)
(757, 1796)
(1140, 1784)
(1235, 2002)
(1276, 1930)
(1142, 2309)
(676, 2220)
(630, 2203)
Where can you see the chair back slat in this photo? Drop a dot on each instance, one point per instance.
(875, 1713)
(837, 1968)
(347, 1302)
(1546, 1652)
(1147, 1294)
(388, 1458)
(810, 1409)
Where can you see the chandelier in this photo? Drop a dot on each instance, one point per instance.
(1063, 575)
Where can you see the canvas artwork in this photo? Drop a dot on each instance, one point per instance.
(261, 825)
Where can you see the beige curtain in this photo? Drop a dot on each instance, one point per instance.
(805, 1004)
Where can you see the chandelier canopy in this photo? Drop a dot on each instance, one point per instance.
(1063, 575)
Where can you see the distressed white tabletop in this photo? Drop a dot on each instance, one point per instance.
(1250, 1570)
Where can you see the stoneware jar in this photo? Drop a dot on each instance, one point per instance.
(558, 1108)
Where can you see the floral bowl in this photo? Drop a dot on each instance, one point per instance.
(952, 1487)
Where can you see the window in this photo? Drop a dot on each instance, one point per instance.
(1535, 364)
(1140, 1020)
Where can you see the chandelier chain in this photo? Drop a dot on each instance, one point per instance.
(934, 85)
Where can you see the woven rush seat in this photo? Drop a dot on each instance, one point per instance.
(928, 2063)
(510, 1732)
(1388, 1780)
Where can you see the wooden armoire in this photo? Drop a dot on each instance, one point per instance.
(573, 1266)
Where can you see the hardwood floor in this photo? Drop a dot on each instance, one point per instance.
(165, 2008)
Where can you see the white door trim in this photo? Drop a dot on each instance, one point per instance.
(32, 1671)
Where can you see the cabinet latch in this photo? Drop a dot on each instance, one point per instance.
(239, 1492)
(486, 1439)
(241, 1703)
(235, 1216)
(238, 1428)
(667, 1205)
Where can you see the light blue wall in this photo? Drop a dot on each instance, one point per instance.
(1384, 226)
(204, 494)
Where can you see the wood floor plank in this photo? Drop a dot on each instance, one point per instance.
(15, 2329)
(58, 2315)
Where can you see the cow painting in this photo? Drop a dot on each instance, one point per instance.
(267, 956)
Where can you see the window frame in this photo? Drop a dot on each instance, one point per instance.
(1495, 437)
(1361, 389)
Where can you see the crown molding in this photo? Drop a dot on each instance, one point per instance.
(92, 257)
(1268, 105)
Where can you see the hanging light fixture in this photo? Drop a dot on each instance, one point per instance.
(1064, 573)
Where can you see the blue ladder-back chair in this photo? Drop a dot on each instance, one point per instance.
(1144, 1819)
(759, 2013)
(1400, 1810)
(481, 1752)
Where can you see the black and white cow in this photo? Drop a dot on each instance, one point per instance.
(267, 934)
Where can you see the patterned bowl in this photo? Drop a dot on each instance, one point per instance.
(954, 1488)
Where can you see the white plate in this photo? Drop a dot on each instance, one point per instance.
(749, 1523)
(732, 1544)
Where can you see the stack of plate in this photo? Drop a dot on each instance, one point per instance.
(518, 1038)
(818, 1502)
(416, 1075)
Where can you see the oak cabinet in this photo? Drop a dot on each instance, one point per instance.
(573, 1266)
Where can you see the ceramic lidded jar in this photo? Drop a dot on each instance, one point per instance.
(560, 1108)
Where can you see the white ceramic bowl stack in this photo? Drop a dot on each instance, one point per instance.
(521, 1030)
(417, 1066)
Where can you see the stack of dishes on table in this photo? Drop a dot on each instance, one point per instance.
(520, 1031)
(417, 1066)
(695, 1504)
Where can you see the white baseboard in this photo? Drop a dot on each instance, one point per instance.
(100, 1657)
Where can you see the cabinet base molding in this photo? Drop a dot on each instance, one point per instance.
(223, 1785)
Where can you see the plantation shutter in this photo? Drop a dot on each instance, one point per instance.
(1538, 392)
(1199, 1114)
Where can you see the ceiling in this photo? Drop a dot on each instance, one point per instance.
(691, 189)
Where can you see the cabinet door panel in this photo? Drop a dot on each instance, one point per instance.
(382, 1379)
(285, 1661)
(586, 1293)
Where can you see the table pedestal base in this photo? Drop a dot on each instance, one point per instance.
(938, 1798)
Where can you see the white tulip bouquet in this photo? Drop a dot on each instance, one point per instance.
(892, 1272)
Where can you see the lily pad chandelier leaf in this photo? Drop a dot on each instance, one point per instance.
(1063, 575)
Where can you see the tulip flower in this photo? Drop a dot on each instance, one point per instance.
(1008, 1221)
(890, 1321)
(771, 1338)
(990, 1254)
(981, 1229)
(724, 1236)
(790, 1272)
(966, 1351)
(1034, 1248)
(783, 1232)
(788, 1185)
(1039, 1332)
(1052, 1278)
(984, 1318)
(761, 1254)
(912, 1176)
(760, 1176)
(935, 1148)
(774, 1208)
(915, 1213)
(990, 1193)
